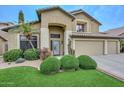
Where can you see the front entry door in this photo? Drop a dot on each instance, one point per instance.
(55, 45)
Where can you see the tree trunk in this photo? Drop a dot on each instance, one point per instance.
(31, 44)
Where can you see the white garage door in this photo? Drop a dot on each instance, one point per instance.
(112, 47)
(88, 47)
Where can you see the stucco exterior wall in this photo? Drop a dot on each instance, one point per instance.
(13, 40)
(56, 16)
(92, 26)
(36, 26)
(2, 46)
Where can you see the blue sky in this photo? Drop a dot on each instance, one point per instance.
(109, 16)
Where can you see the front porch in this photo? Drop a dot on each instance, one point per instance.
(55, 37)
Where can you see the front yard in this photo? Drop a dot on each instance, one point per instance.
(31, 77)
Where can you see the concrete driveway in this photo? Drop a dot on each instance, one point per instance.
(111, 64)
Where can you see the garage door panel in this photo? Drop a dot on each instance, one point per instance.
(112, 47)
(88, 47)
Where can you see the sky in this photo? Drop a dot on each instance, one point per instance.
(111, 16)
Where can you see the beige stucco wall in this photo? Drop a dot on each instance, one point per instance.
(36, 26)
(2, 46)
(13, 40)
(92, 26)
(56, 16)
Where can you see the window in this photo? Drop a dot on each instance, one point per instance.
(6, 47)
(55, 35)
(80, 27)
(24, 43)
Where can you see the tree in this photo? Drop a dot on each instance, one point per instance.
(21, 17)
(25, 28)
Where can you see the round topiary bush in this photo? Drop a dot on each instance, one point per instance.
(50, 65)
(86, 62)
(31, 54)
(69, 62)
(12, 55)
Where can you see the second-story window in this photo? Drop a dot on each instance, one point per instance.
(80, 27)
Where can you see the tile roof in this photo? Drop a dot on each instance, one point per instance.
(4, 35)
(116, 31)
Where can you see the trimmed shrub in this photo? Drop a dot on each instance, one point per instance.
(69, 62)
(31, 54)
(86, 62)
(50, 65)
(12, 55)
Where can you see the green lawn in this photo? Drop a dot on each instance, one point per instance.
(29, 76)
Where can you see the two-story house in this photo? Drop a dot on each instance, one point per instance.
(61, 31)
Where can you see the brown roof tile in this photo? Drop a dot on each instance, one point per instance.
(116, 31)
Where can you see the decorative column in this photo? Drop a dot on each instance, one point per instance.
(118, 46)
(66, 37)
(44, 38)
(105, 47)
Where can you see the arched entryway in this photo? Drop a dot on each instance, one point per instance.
(56, 34)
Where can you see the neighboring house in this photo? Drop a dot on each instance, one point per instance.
(62, 31)
(5, 24)
(4, 36)
(116, 31)
(3, 42)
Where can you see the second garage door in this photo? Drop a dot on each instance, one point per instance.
(88, 47)
(112, 47)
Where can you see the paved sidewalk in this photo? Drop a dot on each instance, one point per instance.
(112, 64)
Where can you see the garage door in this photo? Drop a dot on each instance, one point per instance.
(88, 47)
(112, 47)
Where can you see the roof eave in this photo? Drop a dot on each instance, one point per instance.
(81, 11)
(39, 11)
(103, 37)
(14, 26)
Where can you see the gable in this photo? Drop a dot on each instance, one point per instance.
(39, 12)
(56, 16)
(81, 16)
(83, 13)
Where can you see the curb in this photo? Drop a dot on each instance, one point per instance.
(111, 74)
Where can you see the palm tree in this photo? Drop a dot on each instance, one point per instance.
(25, 28)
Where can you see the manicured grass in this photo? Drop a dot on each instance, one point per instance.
(29, 76)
